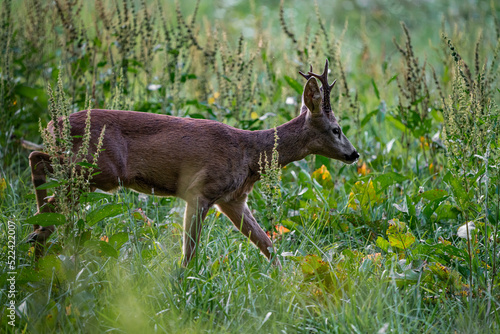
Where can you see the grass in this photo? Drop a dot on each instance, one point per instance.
(369, 248)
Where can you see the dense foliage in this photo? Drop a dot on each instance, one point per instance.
(404, 241)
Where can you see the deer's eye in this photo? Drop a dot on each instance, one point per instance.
(336, 131)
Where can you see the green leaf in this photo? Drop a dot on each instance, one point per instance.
(312, 264)
(435, 194)
(47, 219)
(398, 234)
(412, 211)
(148, 253)
(447, 211)
(396, 123)
(363, 196)
(377, 94)
(35, 94)
(430, 208)
(392, 79)
(94, 197)
(456, 186)
(87, 165)
(85, 236)
(102, 247)
(294, 84)
(407, 276)
(50, 265)
(104, 211)
(402, 241)
(50, 184)
(388, 179)
(382, 244)
(118, 239)
(367, 118)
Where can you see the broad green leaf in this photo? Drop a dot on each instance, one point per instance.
(398, 234)
(438, 251)
(396, 123)
(430, 208)
(294, 84)
(312, 264)
(102, 247)
(47, 219)
(382, 244)
(148, 253)
(49, 265)
(118, 239)
(50, 184)
(104, 211)
(402, 241)
(367, 118)
(447, 211)
(36, 94)
(304, 176)
(85, 236)
(363, 196)
(93, 197)
(406, 276)
(434, 194)
(457, 187)
(388, 179)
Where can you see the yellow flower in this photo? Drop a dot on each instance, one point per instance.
(363, 170)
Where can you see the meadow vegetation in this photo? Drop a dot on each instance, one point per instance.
(405, 241)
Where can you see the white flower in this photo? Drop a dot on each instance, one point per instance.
(143, 198)
(285, 254)
(154, 86)
(290, 100)
(462, 230)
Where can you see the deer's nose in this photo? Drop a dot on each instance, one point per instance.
(353, 156)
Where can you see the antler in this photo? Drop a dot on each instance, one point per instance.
(325, 87)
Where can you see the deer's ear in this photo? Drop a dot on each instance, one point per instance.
(311, 97)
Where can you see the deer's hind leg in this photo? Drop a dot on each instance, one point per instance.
(196, 211)
(40, 164)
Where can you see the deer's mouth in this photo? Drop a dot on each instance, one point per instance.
(351, 158)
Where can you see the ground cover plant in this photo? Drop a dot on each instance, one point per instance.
(407, 240)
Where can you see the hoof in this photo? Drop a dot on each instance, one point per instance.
(40, 235)
(31, 238)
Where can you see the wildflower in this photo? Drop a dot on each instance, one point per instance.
(290, 101)
(462, 230)
(154, 87)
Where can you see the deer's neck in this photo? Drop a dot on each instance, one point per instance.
(291, 143)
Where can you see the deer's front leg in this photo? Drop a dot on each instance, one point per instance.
(196, 211)
(240, 215)
(40, 163)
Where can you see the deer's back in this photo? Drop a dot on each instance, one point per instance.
(164, 154)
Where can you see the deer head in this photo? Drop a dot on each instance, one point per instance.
(327, 137)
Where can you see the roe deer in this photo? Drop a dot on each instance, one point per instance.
(203, 162)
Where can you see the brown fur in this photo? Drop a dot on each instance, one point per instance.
(204, 162)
